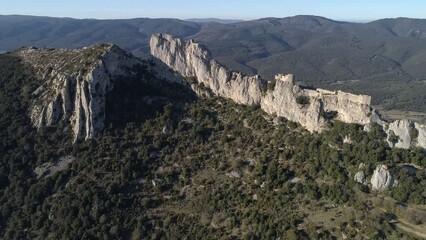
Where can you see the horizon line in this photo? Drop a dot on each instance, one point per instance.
(210, 17)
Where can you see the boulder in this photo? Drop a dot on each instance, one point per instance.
(401, 129)
(359, 177)
(382, 178)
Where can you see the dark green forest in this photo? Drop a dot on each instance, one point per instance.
(181, 167)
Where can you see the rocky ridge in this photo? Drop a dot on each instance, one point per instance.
(191, 60)
(312, 108)
(73, 85)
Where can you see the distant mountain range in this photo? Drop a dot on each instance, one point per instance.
(383, 58)
(213, 20)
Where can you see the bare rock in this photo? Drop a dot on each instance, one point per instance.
(401, 129)
(382, 178)
(347, 139)
(192, 60)
(47, 169)
(421, 135)
(359, 177)
(74, 84)
(316, 107)
(282, 101)
(405, 134)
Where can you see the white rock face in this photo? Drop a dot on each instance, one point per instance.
(421, 139)
(192, 60)
(347, 139)
(282, 102)
(74, 84)
(409, 134)
(402, 129)
(382, 178)
(359, 177)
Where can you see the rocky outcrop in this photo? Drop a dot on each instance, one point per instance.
(193, 61)
(282, 101)
(405, 133)
(359, 177)
(401, 131)
(74, 84)
(421, 135)
(382, 179)
(48, 168)
(312, 108)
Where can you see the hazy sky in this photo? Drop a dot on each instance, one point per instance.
(230, 9)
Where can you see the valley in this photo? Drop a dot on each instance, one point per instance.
(385, 54)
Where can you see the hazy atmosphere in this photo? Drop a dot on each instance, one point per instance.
(360, 10)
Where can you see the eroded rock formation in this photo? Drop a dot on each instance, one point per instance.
(382, 178)
(359, 177)
(405, 134)
(193, 61)
(73, 85)
(312, 108)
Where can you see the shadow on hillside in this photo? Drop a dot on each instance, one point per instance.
(143, 96)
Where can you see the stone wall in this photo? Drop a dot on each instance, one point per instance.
(285, 77)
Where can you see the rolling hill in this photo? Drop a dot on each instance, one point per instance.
(382, 58)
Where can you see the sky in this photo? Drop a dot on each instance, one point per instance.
(355, 10)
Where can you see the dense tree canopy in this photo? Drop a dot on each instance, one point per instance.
(182, 167)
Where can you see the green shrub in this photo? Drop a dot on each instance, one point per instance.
(303, 100)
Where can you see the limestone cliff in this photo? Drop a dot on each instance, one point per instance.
(404, 133)
(73, 85)
(282, 101)
(192, 60)
(360, 177)
(312, 108)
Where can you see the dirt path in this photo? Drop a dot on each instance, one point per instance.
(407, 227)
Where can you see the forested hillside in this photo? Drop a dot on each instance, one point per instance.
(173, 166)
